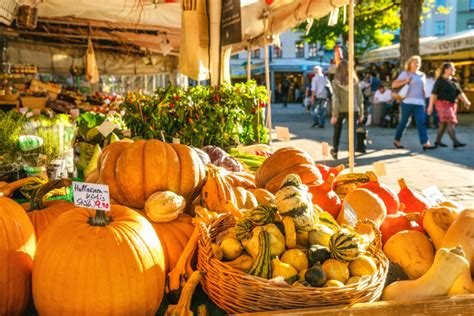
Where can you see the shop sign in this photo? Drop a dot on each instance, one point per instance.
(231, 22)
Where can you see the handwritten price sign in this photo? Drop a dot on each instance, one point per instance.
(91, 195)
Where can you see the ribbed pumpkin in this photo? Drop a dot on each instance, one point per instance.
(17, 249)
(241, 179)
(383, 191)
(135, 170)
(348, 182)
(326, 171)
(42, 214)
(344, 246)
(325, 197)
(174, 236)
(263, 196)
(92, 263)
(283, 162)
(413, 201)
(365, 205)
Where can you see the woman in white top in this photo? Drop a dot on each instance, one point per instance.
(414, 102)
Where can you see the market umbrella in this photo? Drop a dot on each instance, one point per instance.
(194, 52)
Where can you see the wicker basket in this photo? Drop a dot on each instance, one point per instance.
(237, 292)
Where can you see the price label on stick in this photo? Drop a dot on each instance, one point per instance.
(176, 140)
(74, 113)
(434, 195)
(106, 128)
(283, 133)
(379, 168)
(325, 149)
(91, 195)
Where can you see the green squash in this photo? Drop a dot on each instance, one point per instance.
(344, 246)
(262, 264)
(261, 215)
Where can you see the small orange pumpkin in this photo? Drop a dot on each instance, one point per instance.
(383, 191)
(325, 197)
(414, 202)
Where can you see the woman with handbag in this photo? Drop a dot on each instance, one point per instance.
(340, 101)
(443, 98)
(411, 83)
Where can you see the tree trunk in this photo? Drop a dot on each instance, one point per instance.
(410, 15)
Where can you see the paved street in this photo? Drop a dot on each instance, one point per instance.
(451, 170)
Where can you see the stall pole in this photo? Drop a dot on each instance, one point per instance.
(269, 93)
(350, 44)
(249, 60)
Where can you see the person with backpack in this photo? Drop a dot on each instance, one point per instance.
(285, 88)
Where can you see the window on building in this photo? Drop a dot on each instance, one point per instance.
(440, 28)
(470, 24)
(299, 50)
(440, 3)
(312, 50)
(471, 4)
(256, 53)
(277, 51)
(235, 56)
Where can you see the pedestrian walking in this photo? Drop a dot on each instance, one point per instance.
(414, 101)
(431, 119)
(340, 103)
(285, 88)
(443, 99)
(319, 97)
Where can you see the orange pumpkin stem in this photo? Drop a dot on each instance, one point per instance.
(330, 180)
(402, 183)
(339, 168)
(372, 176)
(38, 195)
(100, 219)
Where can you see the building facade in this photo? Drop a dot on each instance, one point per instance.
(459, 18)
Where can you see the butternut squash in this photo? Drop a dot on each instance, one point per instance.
(448, 265)
(436, 222)
(461, 232)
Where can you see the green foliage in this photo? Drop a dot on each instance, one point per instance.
(199, 116)
(11, 124)
(88, 122)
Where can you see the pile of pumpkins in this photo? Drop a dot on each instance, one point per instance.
(77, 260)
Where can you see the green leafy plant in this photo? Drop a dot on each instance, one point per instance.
(223, 116)
(11, 124)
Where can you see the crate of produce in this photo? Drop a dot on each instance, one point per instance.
(34, 102)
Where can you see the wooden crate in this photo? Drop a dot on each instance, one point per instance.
(34, 102)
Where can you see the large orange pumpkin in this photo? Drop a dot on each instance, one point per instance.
(383, 191)
(283, 162)
(99, 263)
(17, 249)
(42, 214)
(135, 170)
(173, 236)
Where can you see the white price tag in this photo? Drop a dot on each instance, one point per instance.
(176, 140)
(325, 149)
(36, 111)
(23, 110)
(127, 133)
(74, 113)
(106, 128)
(349, 214)
(283, 133)
(112, 112)
(434, 195)
(379, 168)
(91, 195)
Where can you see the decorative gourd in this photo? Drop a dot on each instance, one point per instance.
(7, 189)
(184, 304)
(262, 265)
(336, 270)
(461, 232)
(353, 279)
(135, 170)
(362, 204)
(244, 199)
(436, 222)
(395, 223)
(263, 196)
(242, 263)
(363, 265)
(315, 275)
(284, 269)
(17, 250)
(383, 191)
(283, 162)
(42, 214)
(243, 229)
(448, 265)
(325, 197)
(261, 215)
(92, 177)
(344, 246)
(296, 258)
(347, 182)
(317, 253)
(334, 283)
(290, 231)
(277, 241)
(293, 200)
(241, 179)
(327, 171)
(231, 248)
(328, 220)
(174, 236)
(216, 250)
(414, 202)
(109, 249)
(412, 251)
(164, 206)
(217, 191)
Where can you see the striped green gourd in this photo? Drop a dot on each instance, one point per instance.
(261, 215)
(328, 220)
(292, 180)
(262, 264)
(243, 229)
(344, 246)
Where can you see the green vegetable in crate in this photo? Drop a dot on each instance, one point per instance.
(277, 240)
(261, 215)
(293, 199)
(285, 270)
(315, 276)
(30, 142)
(344, 246)
(262, 265)
(318, 253)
